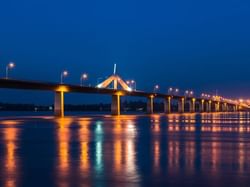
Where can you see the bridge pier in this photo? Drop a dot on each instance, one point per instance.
(207, 105)
(181, 105)
(59, 104)
(210, 106)
(217, 106)
(235, 108)
(150, 105)
(116, 105)
(201, 106)
(167, 105)
(225, 107)
(192, 105)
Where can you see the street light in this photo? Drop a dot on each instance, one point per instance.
(9, 66)
(177, 91)
(170, 91)
(189, 93)
(133, 82)
(156, 88)
(84, 77)
(64, 74)
(173, 91)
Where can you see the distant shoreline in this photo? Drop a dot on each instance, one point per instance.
(131, 106)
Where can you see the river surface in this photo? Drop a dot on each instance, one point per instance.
(130, 150)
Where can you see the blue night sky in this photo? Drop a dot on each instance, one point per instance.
(199, 45)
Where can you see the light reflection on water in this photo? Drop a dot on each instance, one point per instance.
(10, 159)
(84, 139)
(156, 150)
(63, 149)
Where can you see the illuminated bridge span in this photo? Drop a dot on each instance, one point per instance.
(194, 104)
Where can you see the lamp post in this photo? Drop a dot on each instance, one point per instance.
(170, 91)
(173, 91)
(84, 77)
(64, 74)
(156, 88)
(9, 66)
(189, 93)
(135, 84)
(177, 91)
(128, 83)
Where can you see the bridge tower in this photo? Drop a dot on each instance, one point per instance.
(117, 83)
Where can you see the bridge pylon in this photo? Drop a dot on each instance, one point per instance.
(116, 81)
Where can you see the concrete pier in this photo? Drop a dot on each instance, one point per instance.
(202, 106)
(225, 107)
(116, 105)
(150, 105)
(59, 104)
(209, 106)
(181, 105)
(167, 105)
(192, 105)
(217, 106)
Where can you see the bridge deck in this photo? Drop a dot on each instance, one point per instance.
(46, 86)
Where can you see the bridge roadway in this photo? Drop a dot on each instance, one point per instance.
(205, 105)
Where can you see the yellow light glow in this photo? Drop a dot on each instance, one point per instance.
(62, 89)
(11, 165)
(10, 122)
(63, 136)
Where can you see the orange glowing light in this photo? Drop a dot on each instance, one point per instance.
(62, 89)
(118, 155)
(63, 135)
(84, 136)
(10, 122)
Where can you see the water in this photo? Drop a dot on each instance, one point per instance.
(101, 150)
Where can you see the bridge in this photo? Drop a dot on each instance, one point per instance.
(204, 104)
